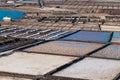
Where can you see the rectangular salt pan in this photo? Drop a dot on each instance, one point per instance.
(112, 51)
(92, 69)
(66, 48)
(89, 36)
(116, 37)
(32, 64)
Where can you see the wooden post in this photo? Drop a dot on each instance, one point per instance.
(41, 3)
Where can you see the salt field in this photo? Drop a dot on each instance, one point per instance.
(89, 36)
(26, 33)
(66, 48)
(8, 43)
(59, 40)
(93, 69)
(116, 37)
(111, 51)
(22, 63)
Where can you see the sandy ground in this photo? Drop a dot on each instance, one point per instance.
(110, 28)
(112, 51)
(92, 69)
(101, 15)
(66, 48)
(33, 64)
(54, 9)
(12, 78)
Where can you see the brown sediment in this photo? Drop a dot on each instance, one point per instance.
(111, 51)
(66, 48)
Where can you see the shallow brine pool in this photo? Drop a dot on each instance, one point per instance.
(11, 13)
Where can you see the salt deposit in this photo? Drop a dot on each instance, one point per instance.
(32, 64)
(92, 69)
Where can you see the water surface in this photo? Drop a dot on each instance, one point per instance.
(11, 13)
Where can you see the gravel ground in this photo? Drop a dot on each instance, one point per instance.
(66, 48)
(112, 51)
(32, 64)
(92, 69)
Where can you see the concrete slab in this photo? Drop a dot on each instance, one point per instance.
(32, 64)
(66, 48)
(92, 69)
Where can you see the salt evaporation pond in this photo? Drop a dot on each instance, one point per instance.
(92, 36)
(11, 13)
(116, 37)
